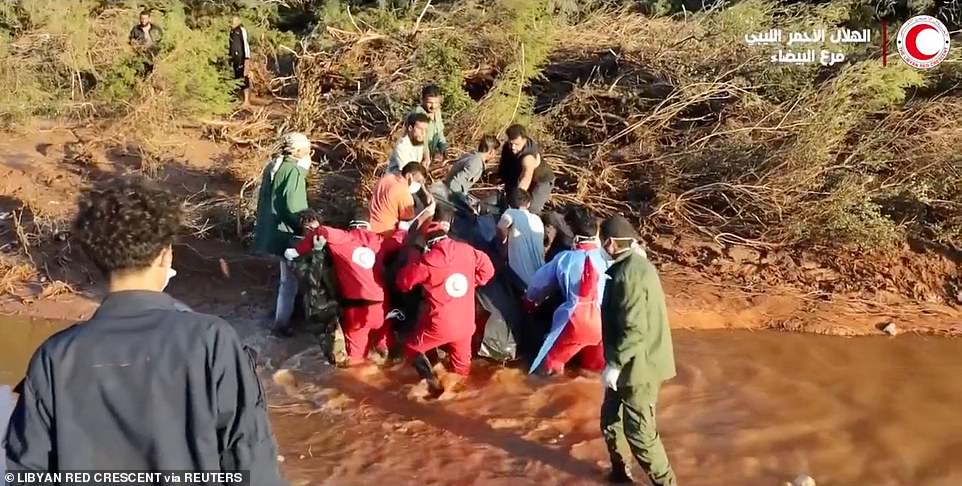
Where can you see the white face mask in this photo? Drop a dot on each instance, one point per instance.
(634, 246)
(171, 273)
(304, 163)
(414, 187)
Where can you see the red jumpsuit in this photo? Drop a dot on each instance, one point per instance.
(360, 282)
(449, 273)
(582, 335)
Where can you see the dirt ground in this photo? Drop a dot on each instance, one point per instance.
(709, 286)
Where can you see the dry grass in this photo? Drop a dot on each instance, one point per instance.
(673, 120)
(14, 274)
(56, 288)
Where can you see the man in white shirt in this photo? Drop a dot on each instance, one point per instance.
(523, 234)
(411, 147)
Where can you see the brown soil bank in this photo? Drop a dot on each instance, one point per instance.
(709, 285)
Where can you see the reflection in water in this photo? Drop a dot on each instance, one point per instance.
(19, 338)
(747, 408)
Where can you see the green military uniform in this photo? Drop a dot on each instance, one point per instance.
(320, 304)
(434, 138)
(281, 197)
(637, 340)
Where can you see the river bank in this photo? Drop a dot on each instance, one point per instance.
(709, 286)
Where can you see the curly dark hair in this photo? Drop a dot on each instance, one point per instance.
(581, 221)
(306, 217)
(124, 226)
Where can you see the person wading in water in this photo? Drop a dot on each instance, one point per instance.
(638, 355)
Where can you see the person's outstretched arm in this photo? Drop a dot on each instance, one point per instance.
(544, 281)
(412, 275)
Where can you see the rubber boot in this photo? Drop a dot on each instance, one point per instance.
(620, 473)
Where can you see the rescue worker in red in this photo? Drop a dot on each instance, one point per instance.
(360, 282)
(449, 271)
(403, 245)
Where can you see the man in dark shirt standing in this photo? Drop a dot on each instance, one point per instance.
(146, 384)
(240, 56)
(522, 167)
(145, 35)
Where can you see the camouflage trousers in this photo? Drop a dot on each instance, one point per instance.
(321, 312)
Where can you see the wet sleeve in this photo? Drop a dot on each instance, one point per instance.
(29, 443)
(544, 281)
(484, 269)
(411, 275)
(630, 298)
(245, 439)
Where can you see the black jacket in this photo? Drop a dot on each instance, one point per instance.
(144, 385)
(137, 34)
(238, 47)
(510, 170)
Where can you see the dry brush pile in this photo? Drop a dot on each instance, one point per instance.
(673, 119)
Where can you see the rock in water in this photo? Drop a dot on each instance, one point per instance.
(803, 480)
(890, 329)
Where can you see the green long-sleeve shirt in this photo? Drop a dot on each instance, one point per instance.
(281, 197)
(634, 320)
(434, 139)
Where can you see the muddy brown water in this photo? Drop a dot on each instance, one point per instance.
(753, 408)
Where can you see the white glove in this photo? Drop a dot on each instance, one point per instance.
(610, 377)
(291, 254)
(431, 208)
(404, 225)
(319, 242)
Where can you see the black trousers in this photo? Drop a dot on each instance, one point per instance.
(238, 65)
(540, 194)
